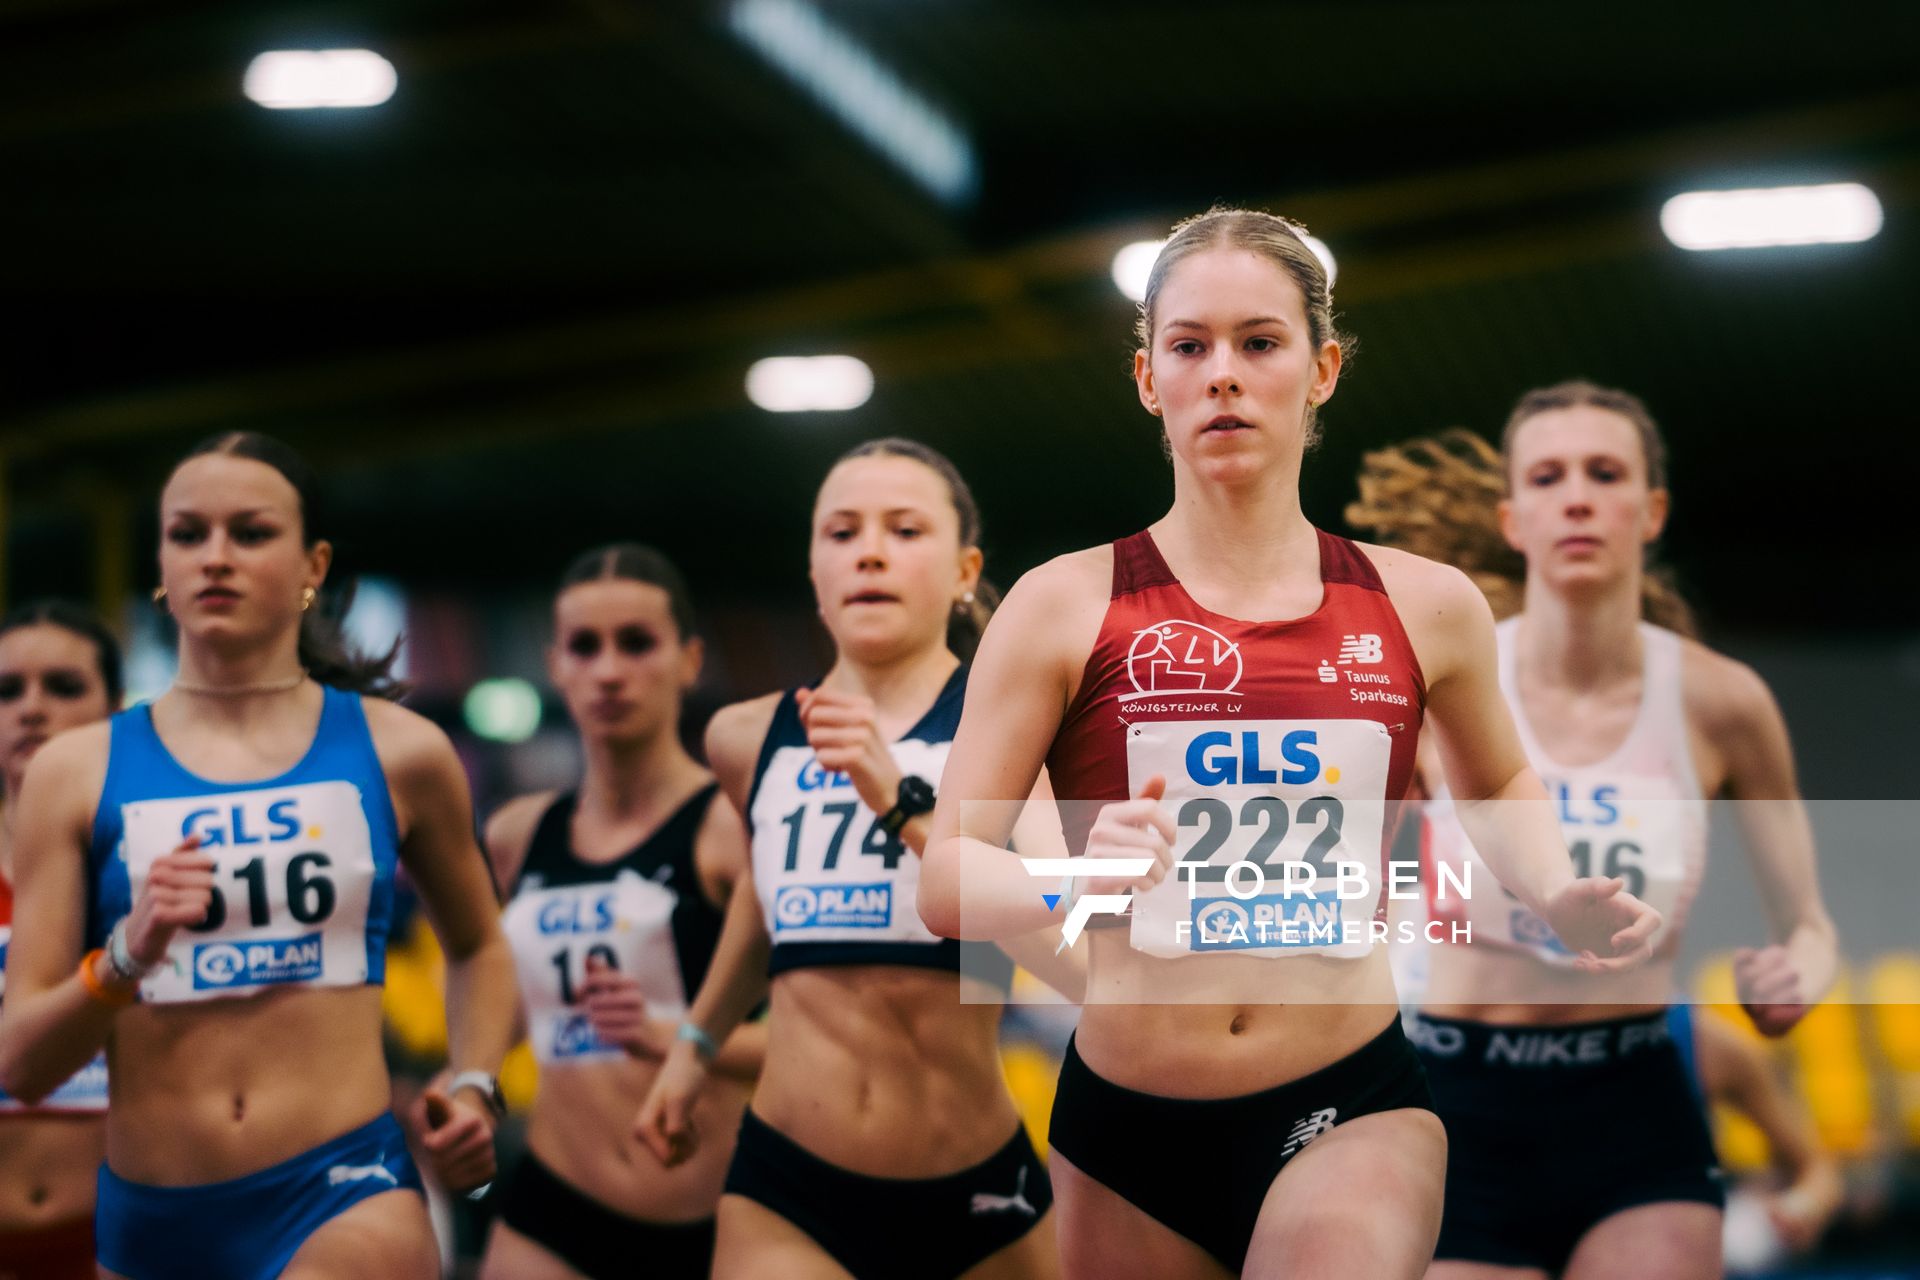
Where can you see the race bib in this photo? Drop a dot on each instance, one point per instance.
(823, 867)
(293, 877)
(1285, 818)
(626, 923)
(1636, 828)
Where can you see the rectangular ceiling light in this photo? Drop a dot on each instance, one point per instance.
(1763, 217)
(862, 91)
(296, 79)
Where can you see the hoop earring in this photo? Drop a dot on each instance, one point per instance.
(306, 599)
(160, 594)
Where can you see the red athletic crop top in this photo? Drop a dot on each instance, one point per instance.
(1281, 743)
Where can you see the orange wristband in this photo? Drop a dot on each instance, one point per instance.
(99, 991)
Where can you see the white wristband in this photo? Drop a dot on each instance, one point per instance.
(120, 958)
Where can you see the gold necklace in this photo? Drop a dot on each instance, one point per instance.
(242, 690)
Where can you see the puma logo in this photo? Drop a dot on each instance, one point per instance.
(985, 1202)
(344, 1173)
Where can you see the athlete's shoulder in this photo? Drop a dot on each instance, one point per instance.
(1049, 592)
(736, 732)
(509, 833)
(1088, 569)
(74, 761)
(1446, 618)
(1052, 615)
(76, 748)
(1723, 696)
(409, 745)
(1423, 588)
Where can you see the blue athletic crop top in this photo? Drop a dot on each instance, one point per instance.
(303, 887)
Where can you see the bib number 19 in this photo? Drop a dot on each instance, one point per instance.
(563, 961)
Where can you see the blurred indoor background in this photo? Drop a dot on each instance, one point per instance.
(507, 292)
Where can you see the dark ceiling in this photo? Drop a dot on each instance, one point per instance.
(509, 311)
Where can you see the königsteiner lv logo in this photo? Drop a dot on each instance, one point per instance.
(1177, 656)
(1087, 905)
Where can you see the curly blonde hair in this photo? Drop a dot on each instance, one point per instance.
(1439, 496)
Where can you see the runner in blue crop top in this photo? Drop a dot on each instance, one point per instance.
(228, 853)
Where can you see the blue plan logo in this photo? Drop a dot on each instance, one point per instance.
(1265, 920)
(1530, 929)
(253, 964)
(834, 906)
(573, 1035)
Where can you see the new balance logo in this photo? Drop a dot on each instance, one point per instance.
(342, 1173)
(1362, 649)
(1307, 1130)
(983, 1202)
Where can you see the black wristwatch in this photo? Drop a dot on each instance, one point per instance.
(914, 798)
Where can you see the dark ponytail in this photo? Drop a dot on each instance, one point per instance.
(967, 622)
(324, 649)
(81, 622)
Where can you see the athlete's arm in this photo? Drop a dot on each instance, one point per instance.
(1777, 983)
(1733, 1070)
(1038, 834)
(971, 885)
(722, 857)
(49, 1026)
(737, 975)
(455, 880)
(1499, 798)
(507, 839)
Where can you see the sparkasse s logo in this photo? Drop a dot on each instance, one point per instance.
(1179, 657)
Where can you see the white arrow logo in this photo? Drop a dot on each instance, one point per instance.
(1088, 905)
